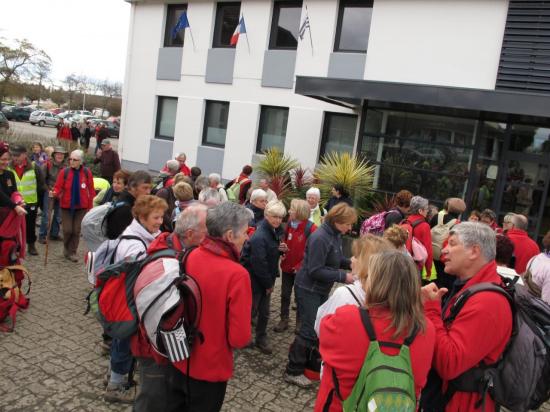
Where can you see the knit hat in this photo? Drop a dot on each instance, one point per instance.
(4, 147)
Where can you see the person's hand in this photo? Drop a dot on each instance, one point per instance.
(283, 247)
(432, 292)
(98, 154)
(51, 193)
(349, 278)
(20, 210)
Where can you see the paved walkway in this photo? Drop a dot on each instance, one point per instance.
(52, 361)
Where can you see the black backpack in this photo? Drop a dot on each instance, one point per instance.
(520, 380)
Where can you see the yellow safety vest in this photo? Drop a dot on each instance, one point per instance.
(27, 185)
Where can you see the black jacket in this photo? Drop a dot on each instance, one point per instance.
(121, 217)
(8, 186)
(261, 256)
(258, 215)
(323, 261)
(394, 217)
(333, 201)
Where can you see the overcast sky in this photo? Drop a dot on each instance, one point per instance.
(85, 37)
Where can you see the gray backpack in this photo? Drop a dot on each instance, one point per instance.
(94, 227)
(519, 381)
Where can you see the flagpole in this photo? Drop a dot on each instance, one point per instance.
(192, 39)
(310, 38)
(247, 43)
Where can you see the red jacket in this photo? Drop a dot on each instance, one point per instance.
(524, 248)
(295, 239)
(424, 234)
(63, 188)
(344, 343)
(479, 333)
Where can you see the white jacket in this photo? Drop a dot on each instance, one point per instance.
(539, 266)
(131, 247)
(341, 296)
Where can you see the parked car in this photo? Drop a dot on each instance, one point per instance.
(113, 128)
(17, 113)
(82, 112)
(4, 124)
(43, 118)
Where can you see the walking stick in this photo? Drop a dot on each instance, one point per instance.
(50, 207)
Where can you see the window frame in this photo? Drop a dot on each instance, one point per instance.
(204, 142)
(275, 18)
(167, 30)
(324, 136)
(217, 24)
(158, 118)
(261, 123)
(341, 6)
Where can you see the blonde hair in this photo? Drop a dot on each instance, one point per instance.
(49, 150)
(179, 177)
(341, 213)
(396, 235)
(183, 191)
(302, 209)
(393, 283)
(275, 208)
(363, 248)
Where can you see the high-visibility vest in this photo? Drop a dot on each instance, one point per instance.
(27, 185)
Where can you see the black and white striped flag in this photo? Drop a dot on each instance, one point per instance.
(175, 342)
(304, 27)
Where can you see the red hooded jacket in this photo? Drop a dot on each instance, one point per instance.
(524, 248)
(296, 240)
(63, 186)
(480, 332)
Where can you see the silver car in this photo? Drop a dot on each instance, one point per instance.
(43, 118)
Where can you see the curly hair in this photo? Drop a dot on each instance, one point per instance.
(145, 205)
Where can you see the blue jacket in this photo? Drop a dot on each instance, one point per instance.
(323, 261)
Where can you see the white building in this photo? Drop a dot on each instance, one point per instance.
(447, 97)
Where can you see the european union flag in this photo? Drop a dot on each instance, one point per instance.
(182, 23)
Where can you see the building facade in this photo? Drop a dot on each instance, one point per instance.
(446, 98)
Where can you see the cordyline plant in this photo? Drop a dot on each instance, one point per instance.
(353, 173)
(278, 167)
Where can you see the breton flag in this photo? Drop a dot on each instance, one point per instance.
(175, 342)
(305, 26)
(240, 29)
(182, 24)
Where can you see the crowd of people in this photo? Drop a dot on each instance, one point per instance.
(397, 287)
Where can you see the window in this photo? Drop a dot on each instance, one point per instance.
(272, 131)
(352, 32)
(285, 25)
(173, 15)
(338, 133)
(166, 118)
(227, 19)
(215, 123)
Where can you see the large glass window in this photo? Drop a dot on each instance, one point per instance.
(285, 25)
(166, 117)
(272, 130)
(227, 19)
(352, 31)
(215, 123)
(530, 139)
(173, 14)
(338, 133)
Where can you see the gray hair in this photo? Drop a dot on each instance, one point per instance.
(181, 154)
(215, 177)
(508, 218)
(313, 191)
(227, 216)
(417, 203)
(77, 153)
(257, 194)
(275, 208)
(210, 196)
(520, 222)
(173, 165)
(476, 233)
(189, 219)
(201, 183)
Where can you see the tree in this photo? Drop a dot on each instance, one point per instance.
(18, 62)
(42, 72)
(109, 90)
(58, 96)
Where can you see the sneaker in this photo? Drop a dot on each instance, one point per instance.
(120, 393)
(298, 380)
(281, 326)
(264, 347)
(72, 258)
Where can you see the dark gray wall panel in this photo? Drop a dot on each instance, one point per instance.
(210, 159)
(219, 66)
(169, 63)
(133, 166)
(278, 70)
(159, 152)
(347, 65)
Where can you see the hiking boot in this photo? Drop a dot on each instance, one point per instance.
(42, 241)
(264, 347)
(31, 249)
(121, 393)
(282, 326)
(298, 380)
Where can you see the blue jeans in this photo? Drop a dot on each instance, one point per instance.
(56, 218)
(121, 356)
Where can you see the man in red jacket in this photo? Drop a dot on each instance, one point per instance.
(482, 328)
(524, 247)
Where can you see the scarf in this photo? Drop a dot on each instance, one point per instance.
(75, 190)
(220, 247)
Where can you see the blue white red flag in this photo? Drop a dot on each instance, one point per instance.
(183, 23)
(240, 29)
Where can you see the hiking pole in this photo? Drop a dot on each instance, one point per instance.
(50, 207)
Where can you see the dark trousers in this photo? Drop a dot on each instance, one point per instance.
(121, 356)
(287, 284)
(70, 222)
(30, 220)
(55, 217)
(306, 342)
(443, 280)
(260, 306)
(165, 389)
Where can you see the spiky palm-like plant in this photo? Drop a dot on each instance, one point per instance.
(275, 164)
(353, 173)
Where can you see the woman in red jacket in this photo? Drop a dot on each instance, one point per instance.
(75, 189)
(297, 232)
(421, 230)
(393, 301)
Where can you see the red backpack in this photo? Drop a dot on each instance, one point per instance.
(12, 297)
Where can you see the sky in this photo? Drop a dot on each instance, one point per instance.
(85, 37)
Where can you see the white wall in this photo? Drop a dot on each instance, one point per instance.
(439, 42)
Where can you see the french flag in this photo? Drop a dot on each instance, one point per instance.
(241, 29)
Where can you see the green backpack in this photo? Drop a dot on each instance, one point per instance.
(385, 383)
(234, 190)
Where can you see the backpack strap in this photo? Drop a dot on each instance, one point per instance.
(354, 297)
(367, 323)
